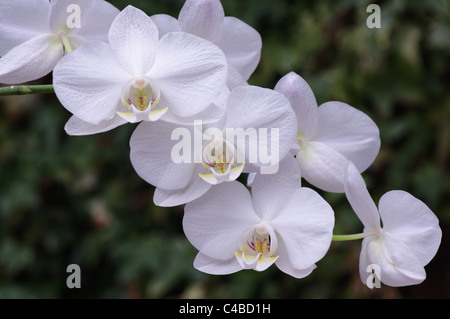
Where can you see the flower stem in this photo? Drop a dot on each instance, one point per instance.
(352, 236)
(26, 89)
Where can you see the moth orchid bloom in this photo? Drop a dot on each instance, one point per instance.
(329, 136)
(279, 223)
(37, 33)
(407, 241)
(206, 18)
(138, 77)
(184, 162)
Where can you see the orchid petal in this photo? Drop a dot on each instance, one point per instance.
(134, 37)
(234, 78)
(22, 20)
(215, 222)
(151, 148)
(77, 127)
(165, 24)
(195, 189)
(271, 192)
(286, 266)
(242, 46)
(216, 266)
(305, 229)
(348, 131)
(257, 110)
(96, 17)
(398, 265)
(30, 60)
(189, 71)
(412, 222)
(303, 101)
(203, 18)
(213, 115)
(323, 167)
(360, 199)
(88, 82)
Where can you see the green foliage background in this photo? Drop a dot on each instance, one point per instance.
(67, 200)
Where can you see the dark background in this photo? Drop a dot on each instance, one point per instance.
(66, 200)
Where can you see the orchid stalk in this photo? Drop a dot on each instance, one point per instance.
(352, 236)
(26, 89)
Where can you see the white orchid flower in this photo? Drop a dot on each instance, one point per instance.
(279, 223)
(329, 136)
(206, 18)
(407, 241)
(138, 77)
(35, 34)
(215, 156)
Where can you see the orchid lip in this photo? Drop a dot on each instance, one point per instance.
(257, 248)
(219, 159)
(141, 97)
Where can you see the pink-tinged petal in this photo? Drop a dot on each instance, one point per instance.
(397, 265)
(216, 266)
(31, 60)
(95, 18)
(22, 20)
(242, 46)
(190, 73)
(267, 119)
(348, 131)
(196, 188)
(152, 154)
(271, 192)
(303, 101)
(305, 228)
(77, 127)
(89, 81)
(215, 222)
(203, 18)
(134, 38)
(165, 24)
(412, 222)
(360, 199)
(323, 167)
